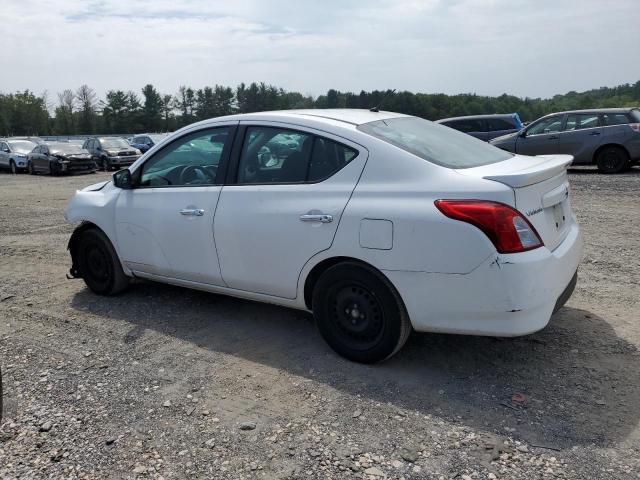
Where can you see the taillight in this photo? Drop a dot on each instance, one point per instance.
(635, 127)
(507, 228)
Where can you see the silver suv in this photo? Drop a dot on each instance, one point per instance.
(607, 137)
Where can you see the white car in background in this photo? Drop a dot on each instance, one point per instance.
(13, 153)
(376, 222)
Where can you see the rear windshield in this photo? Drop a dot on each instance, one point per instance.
(433, 142)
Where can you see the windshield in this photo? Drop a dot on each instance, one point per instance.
(22, 146)
(66, 148)
(114, 143)
(436, 143)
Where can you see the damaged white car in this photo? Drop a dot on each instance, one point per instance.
(377, 222)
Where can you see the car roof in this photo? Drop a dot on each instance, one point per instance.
(475, 117)
(595, 110)
(351, 116)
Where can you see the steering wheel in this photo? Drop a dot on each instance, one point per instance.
(193, 174)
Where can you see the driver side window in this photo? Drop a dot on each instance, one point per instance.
(189, 161)
(550, 125)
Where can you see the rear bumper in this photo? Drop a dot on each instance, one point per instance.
(507, 295)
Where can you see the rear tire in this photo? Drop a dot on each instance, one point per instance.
(98, 263)
(612, 160)
(359, 314)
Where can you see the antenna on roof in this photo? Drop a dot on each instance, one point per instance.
(377, 107)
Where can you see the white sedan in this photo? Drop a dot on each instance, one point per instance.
(377, 222)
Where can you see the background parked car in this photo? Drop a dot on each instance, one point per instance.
(145, 141)
(485, 127)
(56, 158)
(13, 153)
(111, 152)
(609, 138)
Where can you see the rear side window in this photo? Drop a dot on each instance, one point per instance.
(635, 115)
(581, 121)
(435, 143)
(274, 155)
(496, 124)
(615, 119)
(467, 125)
(547, 125)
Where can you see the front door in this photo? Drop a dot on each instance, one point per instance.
(285, 206)
(164, 226)
(541, 138)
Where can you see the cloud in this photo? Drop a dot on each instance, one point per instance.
(451, 46)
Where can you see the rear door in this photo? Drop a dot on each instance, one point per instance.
(580, 137)
(615, 129)
(289, 188)
(541, 137)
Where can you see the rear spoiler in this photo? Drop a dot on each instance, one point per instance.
(532, 172)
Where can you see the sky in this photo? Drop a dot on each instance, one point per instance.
(490, 47)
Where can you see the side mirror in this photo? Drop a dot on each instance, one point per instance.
(523, 133)
(122, 179)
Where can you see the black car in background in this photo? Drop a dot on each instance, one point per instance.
(485, 127)
(111, 152)
(56, 158)
(606, 137)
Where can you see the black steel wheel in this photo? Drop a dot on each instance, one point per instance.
(359, 313)
(98, 263)
(612, 160)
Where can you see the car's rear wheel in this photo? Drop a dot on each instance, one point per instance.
(359, 313)
(612, 160)
(98, 263)
(12, 166)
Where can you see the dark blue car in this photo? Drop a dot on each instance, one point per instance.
(485, 127)
(144, 142)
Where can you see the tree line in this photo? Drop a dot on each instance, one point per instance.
(81, 112)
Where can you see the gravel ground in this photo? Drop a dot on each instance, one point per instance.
(164, 382)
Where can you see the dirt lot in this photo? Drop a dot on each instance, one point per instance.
(163, 382)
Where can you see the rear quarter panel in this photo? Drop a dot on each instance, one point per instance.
(401, 188)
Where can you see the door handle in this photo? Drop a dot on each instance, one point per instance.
(193, 212)
(552, 138)
(322, 218)
(594, 133)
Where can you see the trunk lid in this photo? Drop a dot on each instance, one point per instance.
(541, 191)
